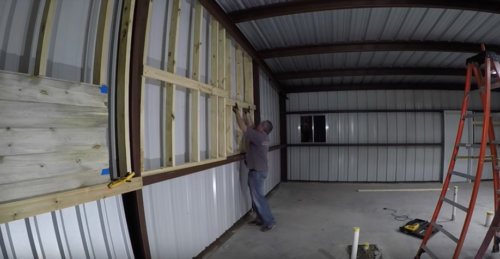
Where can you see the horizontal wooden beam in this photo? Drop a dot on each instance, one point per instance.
(16, 210)
(397, 71)
(216, 11)
(160, 175)
(368, 145)
(392, 86)
(366, 46)
(296, 7)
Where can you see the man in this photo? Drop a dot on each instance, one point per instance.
(256, 161)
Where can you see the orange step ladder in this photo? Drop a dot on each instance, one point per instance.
(491, 65)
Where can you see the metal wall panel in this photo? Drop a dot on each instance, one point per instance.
(383, 128)
(96, 229)
(364, 164)
(385, 99)
(186, 214)
(269, 107)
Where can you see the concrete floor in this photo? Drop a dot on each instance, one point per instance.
(316, 220)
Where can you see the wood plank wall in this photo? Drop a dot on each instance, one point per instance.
(52, 134)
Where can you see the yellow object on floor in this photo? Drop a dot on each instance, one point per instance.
(412, 227)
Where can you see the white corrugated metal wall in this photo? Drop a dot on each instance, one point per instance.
(96, 229)
(92, 230)
(373, 163)
(186, 214)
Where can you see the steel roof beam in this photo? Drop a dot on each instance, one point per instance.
(368, 46)
(325, 88)
(296, 7)
(395, 71)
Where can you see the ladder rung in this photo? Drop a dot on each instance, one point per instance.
(452, 237)
(469, 145)
(454, 204)
(468, 176)
(495, 228)
(481, 89)
(495, 123)
(497, 168)
(431, 254)
(497, 191)
(480, 115)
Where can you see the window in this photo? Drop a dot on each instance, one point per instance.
(313, 129)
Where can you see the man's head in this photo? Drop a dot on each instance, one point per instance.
(265, 126)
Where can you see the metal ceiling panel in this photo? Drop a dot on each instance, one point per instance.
(368, 59)
(372, 24)
(234, 5)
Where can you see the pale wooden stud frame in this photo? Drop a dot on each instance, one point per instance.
(42, 48)
(122, 87)
(102, 42)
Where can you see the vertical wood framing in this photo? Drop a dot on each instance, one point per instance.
(42, 47)
(102, 42)
(221, 71)
(256, 91)
(214, 132)
(239, 75)
(195, 95)
(239, 95)
(229, 112)
(147, 21)
(222, 126)
(248, 78)
(170, 88)
(248, 88)
(122, 87)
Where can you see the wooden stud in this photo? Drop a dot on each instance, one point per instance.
(229, 111)
(198, 43)
(195, 94)
(221, 71)
(221, 59)
(30, 207)
(214, 25)
(122, 89)
(170, 88)
(183, 166)
(143, 82)
(248, 78)
(102, 42)
(239, 75)
(239, 95)
(222, 126)
(42, 48)
(214, 127)
(172, 78)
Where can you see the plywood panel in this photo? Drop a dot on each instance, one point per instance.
(21, 141)
(32, 188)
(16, 114)
(37, 166)
(22, 87)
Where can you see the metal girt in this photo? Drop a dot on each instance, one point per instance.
(376, 46)
(296, 7)
(325, 88)
(216, 11)
(399, 71)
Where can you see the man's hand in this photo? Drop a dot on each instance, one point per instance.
(235, 108)
(246, 110)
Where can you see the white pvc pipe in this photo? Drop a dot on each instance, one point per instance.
(354, 250)
(455, 199)
(489, 218)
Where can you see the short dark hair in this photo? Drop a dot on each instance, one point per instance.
(267, 126)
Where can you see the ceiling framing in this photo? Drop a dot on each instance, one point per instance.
(251, 21)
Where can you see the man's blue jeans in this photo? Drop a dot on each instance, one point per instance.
(259, 202)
